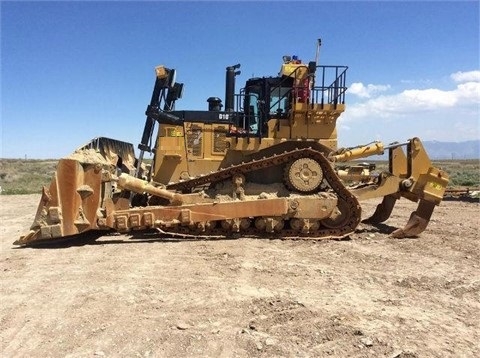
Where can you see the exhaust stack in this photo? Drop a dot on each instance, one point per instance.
(230, 87)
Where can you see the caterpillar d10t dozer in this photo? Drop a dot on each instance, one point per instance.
(267, 165)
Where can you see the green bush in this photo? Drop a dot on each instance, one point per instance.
(25, 176)
(461, 172)
(29, 176)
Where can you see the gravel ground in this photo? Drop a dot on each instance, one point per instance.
(370, 296)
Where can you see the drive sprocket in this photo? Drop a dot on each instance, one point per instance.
(304, 175)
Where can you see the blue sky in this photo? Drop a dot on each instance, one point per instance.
(71, 71)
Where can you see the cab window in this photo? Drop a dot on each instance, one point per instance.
(279, 100)
(252, 108)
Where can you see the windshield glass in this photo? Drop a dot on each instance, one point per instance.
(252, 108)
(279, 100)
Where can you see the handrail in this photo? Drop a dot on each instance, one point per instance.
(331, 89)
(334, 93)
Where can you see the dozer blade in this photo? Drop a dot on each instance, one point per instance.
(418, 221)
(383, 210)
(71, 205)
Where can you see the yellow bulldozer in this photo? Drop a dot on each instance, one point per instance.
(265, 165)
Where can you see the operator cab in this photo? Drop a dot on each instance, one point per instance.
(273, 97)
(265, 98)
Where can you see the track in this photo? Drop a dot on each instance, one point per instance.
(350, 208)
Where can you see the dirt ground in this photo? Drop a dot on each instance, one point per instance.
(370, 296)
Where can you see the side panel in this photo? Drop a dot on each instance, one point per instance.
(316, 122)
(188, 151)
(206, 147)
(170, 161)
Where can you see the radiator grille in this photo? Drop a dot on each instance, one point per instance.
(219, 139)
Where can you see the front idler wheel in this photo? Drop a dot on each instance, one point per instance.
(339, 216)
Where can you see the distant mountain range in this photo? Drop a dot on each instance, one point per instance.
(453, 150)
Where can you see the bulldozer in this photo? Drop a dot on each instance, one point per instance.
(264, 164)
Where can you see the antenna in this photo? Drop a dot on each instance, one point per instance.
(317, 54)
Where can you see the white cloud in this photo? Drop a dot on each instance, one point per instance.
(469, 91)
(432, 114)
(470, 76)
(416, 100)
(367, 91)
(426, 99)
(424, 82)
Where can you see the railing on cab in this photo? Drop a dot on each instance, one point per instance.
(333, 93)
(322, 91)
(326, 87)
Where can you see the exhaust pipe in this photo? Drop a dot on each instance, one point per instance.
(230, 87)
